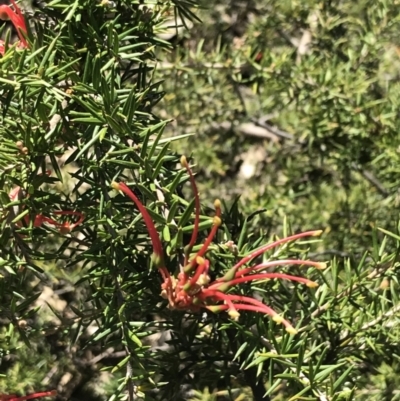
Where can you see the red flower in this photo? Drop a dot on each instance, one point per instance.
(63, 228)
(193, 290)
(4, 397)
(18, 193)
(17, 19)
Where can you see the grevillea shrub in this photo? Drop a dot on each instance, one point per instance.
(117, 279)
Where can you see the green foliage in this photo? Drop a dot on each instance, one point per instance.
(292, 105)
(317, 82)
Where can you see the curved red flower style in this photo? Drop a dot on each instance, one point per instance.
(193, 290)
(4, 397)
(17, 18)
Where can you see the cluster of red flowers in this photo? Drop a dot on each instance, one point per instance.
(17, 19)
(192, 290)
(13, 397)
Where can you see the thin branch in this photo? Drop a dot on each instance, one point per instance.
(370, 177)
(261, 122)
(385, 315)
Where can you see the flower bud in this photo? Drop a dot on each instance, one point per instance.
(22, 324)
(200, 260)
(317, 233)
(184, 162)
(291, 330)
(217, 221)
(115, 185)
(278, 319)
(233, 314)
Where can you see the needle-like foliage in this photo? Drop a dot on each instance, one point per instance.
(121, 279)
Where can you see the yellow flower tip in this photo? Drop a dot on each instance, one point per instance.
(200, 260)
(229, 275)
(317, 233)
(217, 204)
(115, 185)
(217, 221)
(203, 280)
(215, 308)
(278, 319)
(312, 284)
(184, 162)
(321, 266)
(291, 330)
(164, 294)
(233, 314)
(224, 287)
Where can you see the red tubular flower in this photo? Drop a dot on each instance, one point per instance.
(4, 397)
(17, 19)
(158, 253)
(63, 228)
(192, 290)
